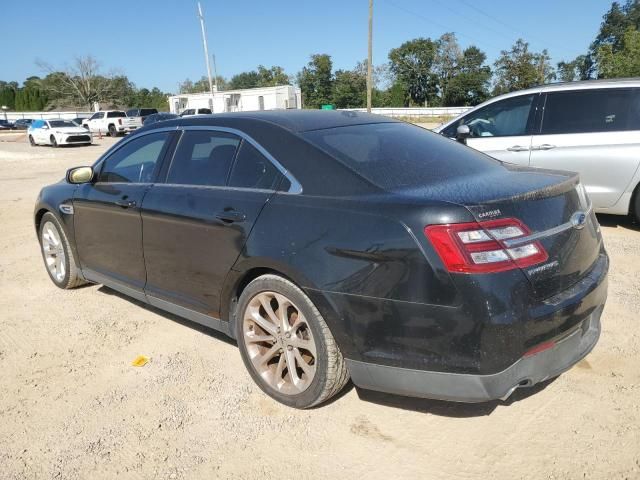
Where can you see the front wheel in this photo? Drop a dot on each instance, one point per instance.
(54, 143)
(286, 344)
(57, 255)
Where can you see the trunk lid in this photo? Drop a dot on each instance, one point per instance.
(551, 204)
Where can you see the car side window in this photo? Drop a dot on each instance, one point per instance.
(136, 161)
(203, 157)
(504, 118)
(253, 170)
(589, 111)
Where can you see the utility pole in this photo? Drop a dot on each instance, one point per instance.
(370, 58)
(206, 49)
(215, 71)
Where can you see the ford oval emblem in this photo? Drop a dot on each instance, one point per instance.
(578, 220)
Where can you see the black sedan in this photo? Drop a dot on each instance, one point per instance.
(336, 245)
(6, 125)
(22, 124)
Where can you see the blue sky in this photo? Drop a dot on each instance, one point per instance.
(158, 42)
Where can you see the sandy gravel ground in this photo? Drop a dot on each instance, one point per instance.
(71, 406)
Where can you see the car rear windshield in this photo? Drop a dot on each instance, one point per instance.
(399, 155)
(147, 111)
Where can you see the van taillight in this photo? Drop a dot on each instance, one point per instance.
(478, 247)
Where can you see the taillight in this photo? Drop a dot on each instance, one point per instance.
(478, 247)
(120, 121)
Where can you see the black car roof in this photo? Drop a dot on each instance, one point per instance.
(293, 120)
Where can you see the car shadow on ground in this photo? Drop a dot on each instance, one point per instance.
(618, 221)
(449, 409)
(170, 316)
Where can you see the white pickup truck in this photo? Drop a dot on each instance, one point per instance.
(113, 122)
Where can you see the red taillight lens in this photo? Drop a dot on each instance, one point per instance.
(478, 247)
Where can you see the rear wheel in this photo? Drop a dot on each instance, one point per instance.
(54, 143)
(112, 131)
(286, 344)
(56, 253)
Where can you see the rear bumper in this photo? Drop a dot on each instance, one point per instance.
(481, 388)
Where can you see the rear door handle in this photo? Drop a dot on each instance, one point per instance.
(518, 148)
(231, 216)
(544, 146)
(126, 203)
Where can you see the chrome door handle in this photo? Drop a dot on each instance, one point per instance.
(518, 148)
(126, 203)
(545, 146)
(231, 216)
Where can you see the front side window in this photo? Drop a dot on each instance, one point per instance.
(136, 161)
(504, 118)
(253, 170)
(203, 158)
(588, 111)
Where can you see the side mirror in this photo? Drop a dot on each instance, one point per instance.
(45, 127)
(462, 133)
(80, 175)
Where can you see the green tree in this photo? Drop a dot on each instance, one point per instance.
(244, 80)
(412, 64)
(520, 68)
(623, 61)
(349, 89)
(272, 77)
(470, 84)
(8, 94)
(316, 81)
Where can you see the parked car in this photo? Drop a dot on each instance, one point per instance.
(159, 117)
(195, 111)
(22, 124)
(112, 122)
(6, 125)
(141, 113)
(337, 244)
(57, 133)
(588, 127)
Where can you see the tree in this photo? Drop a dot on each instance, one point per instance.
(519, 68)
(8, 94)
(623, 61)
(446, 63)
(272, 77)
(349, 89)
(249, 79)
(412, 64)
(201, 86)
(316, 81)
(470, 84)
(576, 69)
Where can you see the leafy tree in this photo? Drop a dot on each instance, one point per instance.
(349, 89)
(249, 79)
(201, 86)
(623, 61)
(316, 81)
(470, 84)
(520, 68)
(446, 64)
(412, 63)
(8, 94)
(272, 77)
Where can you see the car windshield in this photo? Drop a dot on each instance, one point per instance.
(61, 123)
(399, 155)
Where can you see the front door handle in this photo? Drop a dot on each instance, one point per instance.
(518, 148)
(126, 203)
(544, 146)
(231, 216)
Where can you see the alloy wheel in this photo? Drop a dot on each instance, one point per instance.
(280, 343)
(53, 251)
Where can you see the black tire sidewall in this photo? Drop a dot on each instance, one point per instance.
(54, 143)
(112, 131)
(310, 396)
(49, 217)
(32, 141)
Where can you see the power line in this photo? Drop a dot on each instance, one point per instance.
(441, 25)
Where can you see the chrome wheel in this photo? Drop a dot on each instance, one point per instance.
(279, 342)
(53, 252)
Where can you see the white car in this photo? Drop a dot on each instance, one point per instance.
(112, 122)
(57, 133)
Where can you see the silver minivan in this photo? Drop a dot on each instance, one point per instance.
(590, 127)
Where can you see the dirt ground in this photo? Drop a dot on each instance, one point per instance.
(72, 406)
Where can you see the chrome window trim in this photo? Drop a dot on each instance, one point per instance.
(545, 233)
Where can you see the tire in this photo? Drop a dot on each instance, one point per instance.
(32, 142)
(54, 144)
(325, 372)
(112, 131)
(635, 206)
(51, 236)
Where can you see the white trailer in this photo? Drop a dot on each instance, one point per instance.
(266, 98)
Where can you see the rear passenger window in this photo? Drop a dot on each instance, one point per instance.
(253, 170)
(203, 158)
(600, 110)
